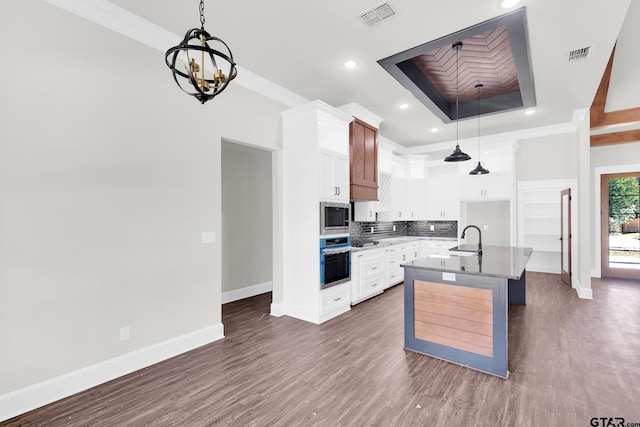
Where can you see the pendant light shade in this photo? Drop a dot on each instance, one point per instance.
(457, 155)
(479, 170)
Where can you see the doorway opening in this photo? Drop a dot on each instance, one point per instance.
(247, 225)
(620, 233)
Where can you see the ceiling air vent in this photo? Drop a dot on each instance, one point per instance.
(377, 14)
(580, 54)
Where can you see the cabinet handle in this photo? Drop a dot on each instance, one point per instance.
(374, 268)
(360, 256)
(399, 214)
(370, 214)
(337, 299)
(375, 284)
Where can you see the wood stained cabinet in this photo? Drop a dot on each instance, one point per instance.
(363, 154)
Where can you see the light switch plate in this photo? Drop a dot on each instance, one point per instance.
(431, 227)
(208, 237)
(451, 277)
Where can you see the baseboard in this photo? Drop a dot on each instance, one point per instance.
(249, 291)
(277, 310)
(583, 293)
(34, 396)
(596, 272)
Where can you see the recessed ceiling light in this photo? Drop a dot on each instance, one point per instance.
(506, 4)
(350, 65)
(434, 129)
(530, 112)
(403, 106)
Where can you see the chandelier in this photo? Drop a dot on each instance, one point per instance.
(202, 65)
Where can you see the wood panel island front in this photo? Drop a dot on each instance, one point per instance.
(456, 304)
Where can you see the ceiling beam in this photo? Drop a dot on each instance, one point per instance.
(615, 138)
(600, 101)
(616, 118)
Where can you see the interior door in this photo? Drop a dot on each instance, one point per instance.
(565, 236)
(620, 204)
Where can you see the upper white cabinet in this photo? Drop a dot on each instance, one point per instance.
(493, 186)
(397, 195)
(417, 188)
(499, 184)
(334, 177)
(443, 191)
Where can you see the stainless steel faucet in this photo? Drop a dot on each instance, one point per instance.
(479, 237)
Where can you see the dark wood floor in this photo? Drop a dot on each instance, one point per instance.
(570, 360)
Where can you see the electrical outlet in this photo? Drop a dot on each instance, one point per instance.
(486, 227)
(208, 237)
(372, 229)
(125, 333)
(431, 227)
(394, 228)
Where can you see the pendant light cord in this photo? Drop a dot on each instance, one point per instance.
(479, 87)
(458, 47)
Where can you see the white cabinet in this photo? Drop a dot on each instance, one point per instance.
(396, 197)
(335, 301)
(367, 274)
(315, 150)
(334, 177)
(417, 200)
(395, 256)
(417, 189)
(494, 186)
(443, 192)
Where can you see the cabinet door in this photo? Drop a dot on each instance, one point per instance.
(334, 177)
(417, 200)
(398, 199)
(364, 161)
(443, 200)
(495, 186)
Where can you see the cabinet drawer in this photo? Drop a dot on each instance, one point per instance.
(373, 284)
(335, 297)
(372, 267)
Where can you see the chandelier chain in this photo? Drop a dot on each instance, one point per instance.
(202, 13)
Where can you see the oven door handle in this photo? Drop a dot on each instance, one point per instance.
(336, 251)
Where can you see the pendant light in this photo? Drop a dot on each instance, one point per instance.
(457, 155)
(207, 71)
(479, 170)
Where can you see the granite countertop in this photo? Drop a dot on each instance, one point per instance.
(496, 261)
(402, 239)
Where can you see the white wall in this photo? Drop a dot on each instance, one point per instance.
(548, 157)
(246, 217)
(108, 176)
(496, 216)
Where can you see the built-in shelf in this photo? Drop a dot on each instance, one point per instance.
(539, 224)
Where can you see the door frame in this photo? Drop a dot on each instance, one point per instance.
(565, 276)
(598, 172)
(604, 229)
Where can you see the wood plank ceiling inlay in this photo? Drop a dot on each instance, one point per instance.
(485, 58)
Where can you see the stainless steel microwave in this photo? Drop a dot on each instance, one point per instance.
(334, 218)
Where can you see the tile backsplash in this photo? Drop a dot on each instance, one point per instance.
(384, 230)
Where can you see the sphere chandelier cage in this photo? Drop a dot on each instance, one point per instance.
(479, 169)
(202, 65)
(457, 155)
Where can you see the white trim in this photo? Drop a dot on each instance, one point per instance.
(583, 293)
(247, 292)
(277, 310)
(34, 396)
(359, 112)
(597, 176)
(121, 21)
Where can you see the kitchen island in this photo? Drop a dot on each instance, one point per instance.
(456, 304)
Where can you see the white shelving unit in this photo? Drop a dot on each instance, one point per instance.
(539, 222)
